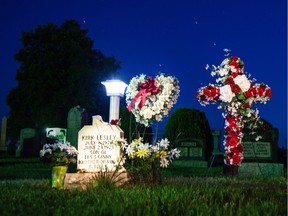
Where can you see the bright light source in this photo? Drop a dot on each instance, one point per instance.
(114, 87)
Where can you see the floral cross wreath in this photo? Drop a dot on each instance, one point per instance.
(235, 93)
(151, 99)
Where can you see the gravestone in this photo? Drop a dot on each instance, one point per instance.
(217, 155)
(77, 118)
(3, 147)
(96, 146)
(193, 153)
(56, 133)
(25, 133)
(261, 157)
(97, 153)
(263, 150)
(259, 151)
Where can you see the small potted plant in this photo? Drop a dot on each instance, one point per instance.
(60, 155)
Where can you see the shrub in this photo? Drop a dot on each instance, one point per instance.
(189, 123)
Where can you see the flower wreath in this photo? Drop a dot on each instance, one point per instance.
(236, 93)
(151, 99)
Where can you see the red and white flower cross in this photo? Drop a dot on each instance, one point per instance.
(235, 93)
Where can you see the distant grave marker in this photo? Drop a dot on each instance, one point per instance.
(77, 118)
(192, 152)
(25, 133)
(3, 147)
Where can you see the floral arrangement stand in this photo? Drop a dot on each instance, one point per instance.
(58, 175)
(143, 161)
(236, 94)
(149, 99)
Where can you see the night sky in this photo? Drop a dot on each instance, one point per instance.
(175, 37)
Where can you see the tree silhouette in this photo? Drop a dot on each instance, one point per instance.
(59, 70)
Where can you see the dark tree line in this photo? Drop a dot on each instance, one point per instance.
(59, 69)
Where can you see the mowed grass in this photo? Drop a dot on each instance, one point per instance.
(181, 192)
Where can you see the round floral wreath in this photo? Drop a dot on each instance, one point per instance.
(151, 99)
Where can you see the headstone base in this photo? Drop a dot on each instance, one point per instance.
(190, 163)
(82, 181)
(261, 169)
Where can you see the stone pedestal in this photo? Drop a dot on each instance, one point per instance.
(261, 169)
(82, 181)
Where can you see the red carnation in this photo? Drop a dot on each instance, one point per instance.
(240, 148)
(229, 81)
(236, 159)
(249, 93)
(232, 133)
(235, 88)
(215, 92)
(228, 160)
(247, 105)
(260, 91)
(268, 92)
(234, 58)
(114, 121)
(234, 63)
(207, 92)
(231, 118)
(203, 98)
(232, 141)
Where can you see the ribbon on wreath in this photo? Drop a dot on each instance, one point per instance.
(144, 88)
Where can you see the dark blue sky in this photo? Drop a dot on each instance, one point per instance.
(175, 37)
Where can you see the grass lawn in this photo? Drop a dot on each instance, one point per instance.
(25, 190)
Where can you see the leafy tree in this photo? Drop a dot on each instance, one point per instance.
(59, 70)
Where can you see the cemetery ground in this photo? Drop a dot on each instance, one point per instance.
(25, 190)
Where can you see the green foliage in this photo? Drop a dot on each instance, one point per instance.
(59, 69)
(102, 181)
(189, 123)
(194, 196)
(144, 170)
(176, 195)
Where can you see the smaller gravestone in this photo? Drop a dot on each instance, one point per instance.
(77, 118)
(96, 146)
(217, 156)
(3, 147)
(192, 152)
(263, 150)
(25, 133)
(261, 157)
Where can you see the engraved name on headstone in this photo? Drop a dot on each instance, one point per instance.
(96, 146)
